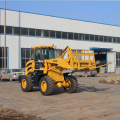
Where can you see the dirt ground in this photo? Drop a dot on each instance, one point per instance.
(10, 114)
(92, 101)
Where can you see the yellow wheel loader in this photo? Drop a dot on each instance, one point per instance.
(46, 71)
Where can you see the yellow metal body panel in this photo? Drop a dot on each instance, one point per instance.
(42, 46)
(30, 66)
(56, 74)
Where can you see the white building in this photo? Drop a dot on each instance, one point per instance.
(26, 29)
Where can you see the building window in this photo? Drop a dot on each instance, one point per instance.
(58, 34)
(32, 54)
(87, 37)
(96, 38)
(101, 39)
(26, 56)
(64, 35)
(46, 33)
(38, 32)
(76, 36)
(70, 35)
(105, 39)
(117, 59)
(91, 37)
(1, 29)
(31, 32)
(24, 31)
(52, 34)
(2, 57)
(58, 53)
(109, 39)
(16, 30)
(8, 30)
(118, 40)
(114, 39)
(81, 36)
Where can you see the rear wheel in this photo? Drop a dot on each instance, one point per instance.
(73, 84)
(26, 83)
(46, 85)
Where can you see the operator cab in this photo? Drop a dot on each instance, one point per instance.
(42, 53)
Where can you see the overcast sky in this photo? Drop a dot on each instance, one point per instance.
(107, 12)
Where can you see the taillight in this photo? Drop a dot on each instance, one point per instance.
(14, 74)
(90, 70)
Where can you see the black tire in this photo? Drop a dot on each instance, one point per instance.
(93, 75)
(74, 84)
(29, 85)
(50, 85)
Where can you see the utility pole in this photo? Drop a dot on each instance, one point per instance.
(5, 35)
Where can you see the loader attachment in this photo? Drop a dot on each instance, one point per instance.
(86, 59)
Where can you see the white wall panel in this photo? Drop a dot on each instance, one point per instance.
(27, 42)
(12, 18)
(44, 22)
(94, 28)
(111, 59)
(60, 24)
(12, 44)
(0, 17)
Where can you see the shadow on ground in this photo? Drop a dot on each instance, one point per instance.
(81, 88)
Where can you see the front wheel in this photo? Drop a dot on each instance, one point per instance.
(73, 84)
(46, 85)
(26, 83)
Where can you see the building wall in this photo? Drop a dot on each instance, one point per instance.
(12, 18)
(28, 42)
(20, 19)
(111, 59)
(12, 44)
(60, 24)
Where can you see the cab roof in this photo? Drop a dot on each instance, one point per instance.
(42, 46)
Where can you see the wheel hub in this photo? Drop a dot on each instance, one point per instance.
(24, 83)
(68, 84)
(43, 86)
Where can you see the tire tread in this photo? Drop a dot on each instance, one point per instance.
(29, 83)
(74, 84)
(50, 86)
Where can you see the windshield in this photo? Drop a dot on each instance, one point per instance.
(16, 70)
(41, 54)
